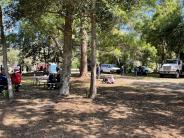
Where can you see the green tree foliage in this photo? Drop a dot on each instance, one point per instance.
(13, 56)
(40, 46)
(162, 30)
(122, 48)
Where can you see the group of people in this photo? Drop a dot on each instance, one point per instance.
(15, 78)
(108, 79)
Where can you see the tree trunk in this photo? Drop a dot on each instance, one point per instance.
(93, 89)
(67, 52)
(163, 51)
(84, 43)
(5, 59)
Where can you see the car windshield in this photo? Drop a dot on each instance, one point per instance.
(114, 65)
(171, 61)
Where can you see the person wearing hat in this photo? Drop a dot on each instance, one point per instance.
(16, 79)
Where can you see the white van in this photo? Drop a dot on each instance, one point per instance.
(109, 68)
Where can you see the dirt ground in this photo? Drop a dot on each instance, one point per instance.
(131, 108)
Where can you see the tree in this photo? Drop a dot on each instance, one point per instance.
(31, 10)
(93, 89)
(67, 49)
(159, 30)
(4, 49)
(84, 46)
(38, 44)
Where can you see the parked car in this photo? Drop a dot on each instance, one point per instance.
(142, 70)
(110, 68)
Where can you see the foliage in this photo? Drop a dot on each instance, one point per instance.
(121, 48)
(162, 30)
(13, 57)
(75, 63)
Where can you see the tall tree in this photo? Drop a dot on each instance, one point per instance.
(67, 49)
(62, 9)
(4, 49)
(93, 89)
(84, 46)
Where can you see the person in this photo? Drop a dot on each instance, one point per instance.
(3, 81)
(57, 69)
(109, 80)
(122, 70)
(136, 70)
(41, 68)
(45, 72)
(98, 71)
(58, 77)
(16, 79)
(51, 81)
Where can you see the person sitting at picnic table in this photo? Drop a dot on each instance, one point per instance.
(16, 79)
(58, 77)
(3, 81)
(109, 80)
(51, 81)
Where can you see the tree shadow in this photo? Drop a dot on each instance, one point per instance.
(138, 110)
(151, 108)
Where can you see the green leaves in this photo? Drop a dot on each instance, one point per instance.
(160, 30)
(5, 2)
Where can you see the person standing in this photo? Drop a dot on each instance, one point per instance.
(136, 71)
(122, 70)
(98, 71)
(16, 79)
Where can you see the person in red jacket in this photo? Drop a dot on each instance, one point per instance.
(16, 79)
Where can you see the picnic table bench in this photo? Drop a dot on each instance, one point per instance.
(38, 80)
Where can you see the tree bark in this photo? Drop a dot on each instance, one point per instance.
(163, 51)
(93, 89)
(67, 52)
(84, 43)
(5, 59)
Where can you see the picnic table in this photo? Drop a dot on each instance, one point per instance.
(40, 79)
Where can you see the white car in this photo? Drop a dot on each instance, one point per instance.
(109, 68)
